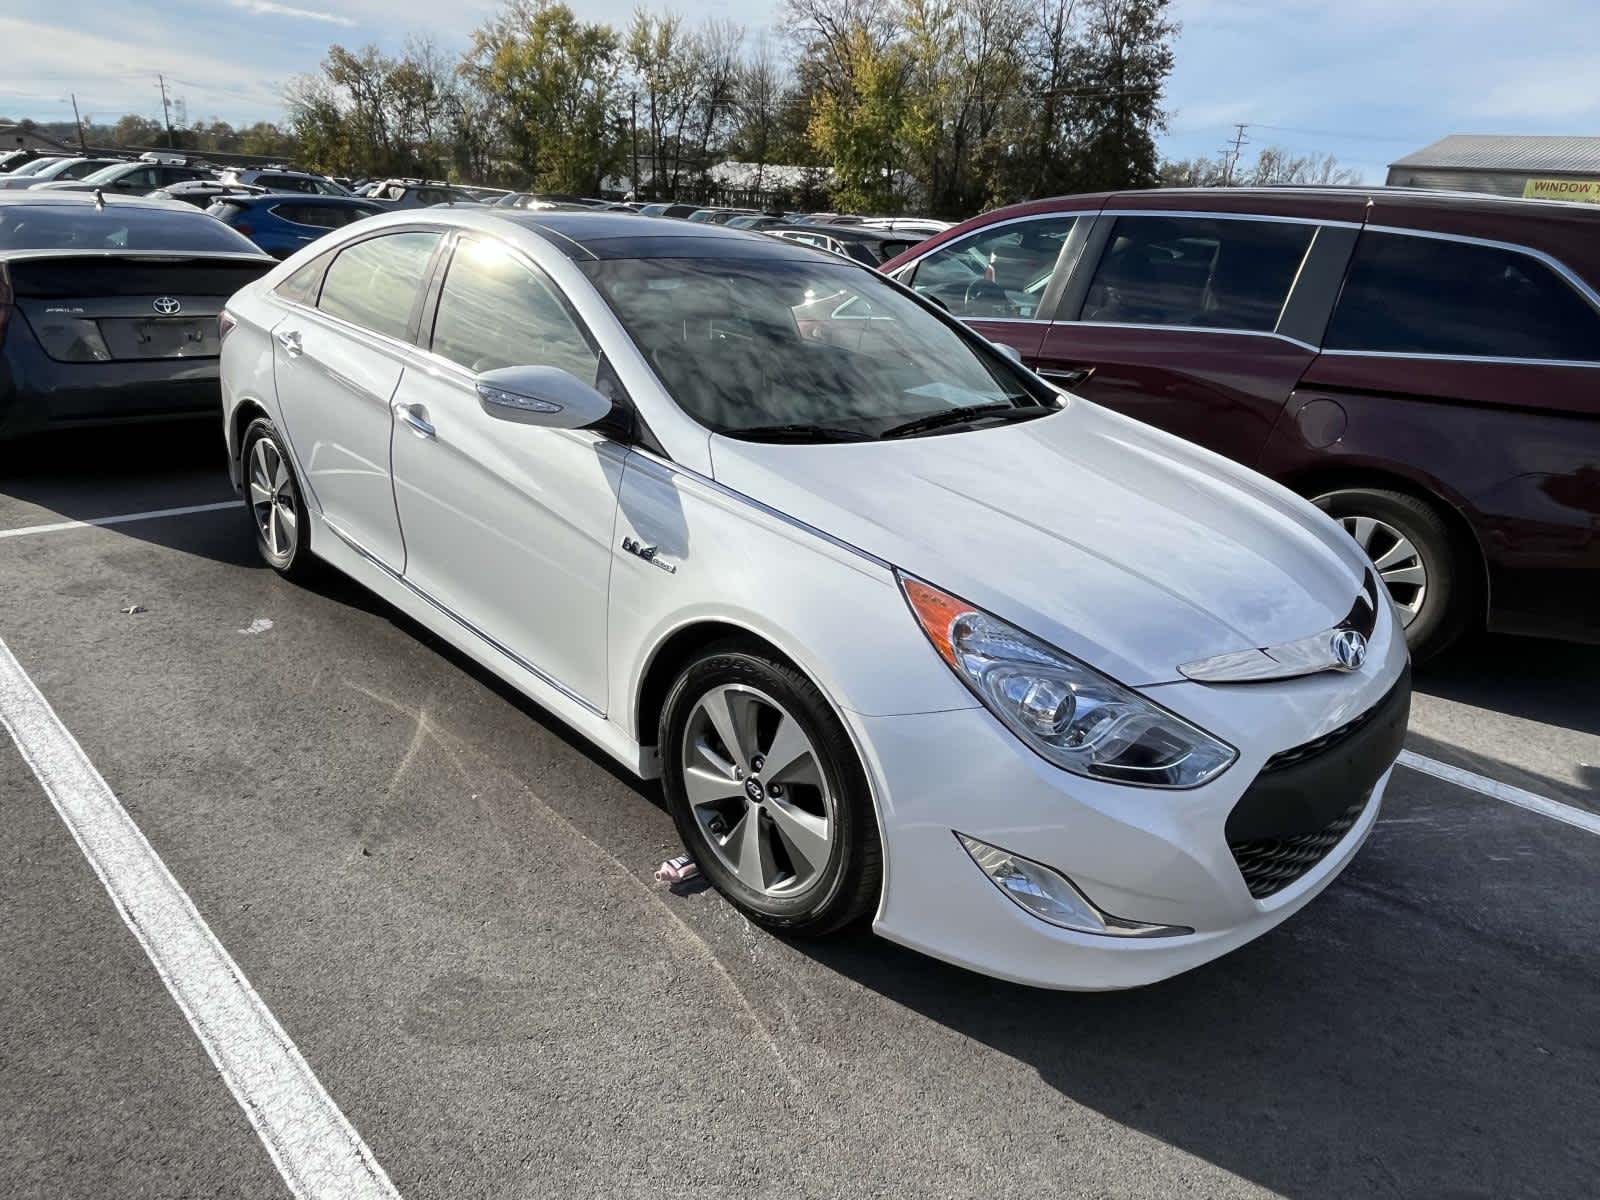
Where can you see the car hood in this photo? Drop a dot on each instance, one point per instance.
(1128, 548)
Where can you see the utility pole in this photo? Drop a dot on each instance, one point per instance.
(77, 120)
(166, 111)
(1231, 153)
(633, 104)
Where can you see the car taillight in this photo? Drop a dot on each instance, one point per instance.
(225, 323)
(247, 230)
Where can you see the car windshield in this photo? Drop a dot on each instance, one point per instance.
(115, 227)
(751, 347)
(109, 174)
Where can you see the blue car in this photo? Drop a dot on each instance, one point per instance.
(282, 222)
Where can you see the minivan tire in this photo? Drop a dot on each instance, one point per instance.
(1446, 608)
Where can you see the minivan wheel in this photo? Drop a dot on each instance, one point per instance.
(768, 793)
(273, 496)
(1416, 558)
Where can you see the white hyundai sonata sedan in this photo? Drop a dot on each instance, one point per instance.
(903, 630)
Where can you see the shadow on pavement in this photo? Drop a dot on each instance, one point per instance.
(1364, 1049)
(92, 473)
(1547, 681)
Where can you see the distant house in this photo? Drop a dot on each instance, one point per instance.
(729, 182)
(1550, 168)
(18, 137)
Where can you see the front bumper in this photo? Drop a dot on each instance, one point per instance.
(1150, 856)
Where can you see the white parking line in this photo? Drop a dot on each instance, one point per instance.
(311, 1142)
(1493, 788)
(120, 519)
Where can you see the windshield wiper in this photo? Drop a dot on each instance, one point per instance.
(798, 432)
(959, 416)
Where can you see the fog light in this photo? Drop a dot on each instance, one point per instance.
(1051, 896)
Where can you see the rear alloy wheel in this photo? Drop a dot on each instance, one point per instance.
(274, 499)
(768, 794)
(1416, 559)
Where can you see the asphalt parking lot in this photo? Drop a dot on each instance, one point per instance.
(445, 900)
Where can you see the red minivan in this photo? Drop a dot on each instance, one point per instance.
(1424, 366)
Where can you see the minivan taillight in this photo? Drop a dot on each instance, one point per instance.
(225, 323)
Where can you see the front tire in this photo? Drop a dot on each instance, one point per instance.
(768, 793)
(1417, 560)
(273, 496)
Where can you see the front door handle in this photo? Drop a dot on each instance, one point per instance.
(1067, 376)
(416, 416)
(289, 339)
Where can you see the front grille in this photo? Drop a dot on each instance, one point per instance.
(1316, 746)
(1272, 864)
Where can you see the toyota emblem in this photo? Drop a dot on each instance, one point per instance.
(167, 306)
(1349, 649)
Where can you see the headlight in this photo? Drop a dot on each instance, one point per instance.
(1067, 712)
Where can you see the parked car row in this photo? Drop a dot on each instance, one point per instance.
(1421, 366)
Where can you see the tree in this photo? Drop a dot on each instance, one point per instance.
(1274, 166)
(555, 80)
(1116, 108)
(856, 128)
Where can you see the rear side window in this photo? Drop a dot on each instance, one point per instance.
(302, 286)
(996, 272)
(375, 283)
(1209, 273)
(496, 311)
(322, 216)
(1422, 295)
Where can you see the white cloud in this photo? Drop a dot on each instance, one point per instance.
(269, 8)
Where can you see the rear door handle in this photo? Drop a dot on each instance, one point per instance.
(289, 339)
(1067, 376)
(416, 416)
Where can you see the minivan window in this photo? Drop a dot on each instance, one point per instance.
(1422, 295)
(995, 272)
(1203, 272)
(374, 283)
(496, 311)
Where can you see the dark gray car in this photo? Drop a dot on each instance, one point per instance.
(108, 309)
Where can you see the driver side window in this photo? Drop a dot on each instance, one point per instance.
(496, 311)
(997, 272)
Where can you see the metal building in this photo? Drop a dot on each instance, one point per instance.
(1549, 168)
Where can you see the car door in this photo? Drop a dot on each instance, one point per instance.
(337, 365)
(1179, 320)
(999, 278)
(507, 525)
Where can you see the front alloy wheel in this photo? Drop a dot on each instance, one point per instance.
(767, 791)
(757, 791)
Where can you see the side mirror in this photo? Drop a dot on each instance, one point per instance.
(545, 396)
(1009, 351)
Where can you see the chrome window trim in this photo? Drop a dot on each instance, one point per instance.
(723, 489)
(1260, 333)
(1467, 358)
(539, 673)
(1074, 213)
(1230, 216)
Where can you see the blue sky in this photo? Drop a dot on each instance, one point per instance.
(1368, 80)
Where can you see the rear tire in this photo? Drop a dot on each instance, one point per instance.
(792, 843)
(277, 510)
(1418, 559)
